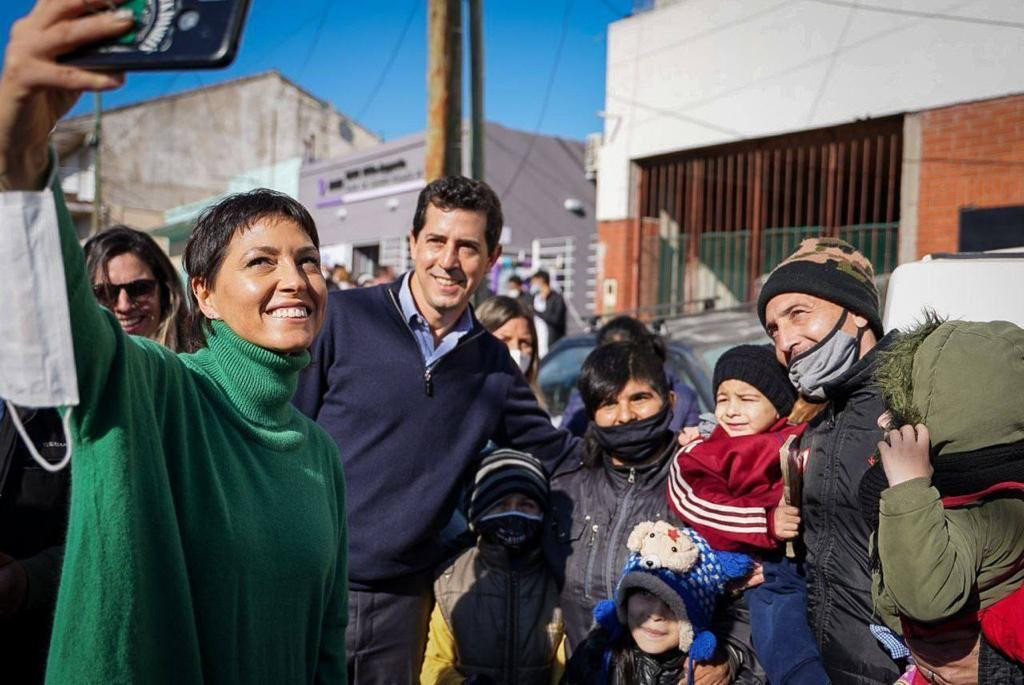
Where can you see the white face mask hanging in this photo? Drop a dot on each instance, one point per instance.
(37, 355)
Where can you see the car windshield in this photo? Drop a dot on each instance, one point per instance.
(561, 370)
(558, 375)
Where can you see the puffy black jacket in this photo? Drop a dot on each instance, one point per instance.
(33, 521)
(841, 441)
(592, 512)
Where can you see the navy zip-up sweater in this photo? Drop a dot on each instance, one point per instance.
(408, 436)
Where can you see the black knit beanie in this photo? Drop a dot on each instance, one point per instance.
(504, 472)
(831, 269)
(757, 365)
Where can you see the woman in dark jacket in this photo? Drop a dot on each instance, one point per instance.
(618, 482)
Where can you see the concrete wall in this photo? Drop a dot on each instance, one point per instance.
(183, 148)
(710, 71)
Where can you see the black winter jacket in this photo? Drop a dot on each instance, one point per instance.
(587, 666)
(591, 514)
(33, 521)
(841, 441)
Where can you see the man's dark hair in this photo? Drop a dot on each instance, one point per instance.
(515, 279)
(543, 275)
(459, 192)
(213, 232)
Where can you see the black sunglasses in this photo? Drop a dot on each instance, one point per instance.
(107, 293)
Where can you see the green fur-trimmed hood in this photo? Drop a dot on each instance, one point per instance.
(962, 379)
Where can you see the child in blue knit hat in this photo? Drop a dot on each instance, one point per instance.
(659, 622)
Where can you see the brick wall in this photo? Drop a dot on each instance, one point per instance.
(972, 156)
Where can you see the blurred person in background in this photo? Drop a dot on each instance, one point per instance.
(548, 312)
(510, 322)
(341, 277)
(383, 274)
(517, 291)
(685, 412)
(132, 277)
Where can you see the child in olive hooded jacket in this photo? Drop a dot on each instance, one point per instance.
(949, 496)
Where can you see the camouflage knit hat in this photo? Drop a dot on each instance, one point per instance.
(831, 269)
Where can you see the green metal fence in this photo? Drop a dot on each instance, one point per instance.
(723, 270)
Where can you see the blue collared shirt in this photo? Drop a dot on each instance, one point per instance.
(421, 329)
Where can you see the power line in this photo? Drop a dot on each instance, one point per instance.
(316, 37)
(693, 104)
(831, 63)
(925, 15)
(391, 60)
(718, 29)
(545, 101)
(676, 115)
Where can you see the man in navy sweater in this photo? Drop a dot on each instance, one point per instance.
(412, 388)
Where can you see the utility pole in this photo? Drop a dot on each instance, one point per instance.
(444, 89)
(97, 179)
(476, 85)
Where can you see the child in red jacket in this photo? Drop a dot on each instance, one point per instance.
(729, 487)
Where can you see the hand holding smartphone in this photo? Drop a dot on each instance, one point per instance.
(167, 35)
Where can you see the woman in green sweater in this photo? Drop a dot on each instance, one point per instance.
(207, 526)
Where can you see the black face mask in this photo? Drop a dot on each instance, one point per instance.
(637, 441)
(512, 530)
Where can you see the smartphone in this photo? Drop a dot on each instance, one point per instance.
(168, 35)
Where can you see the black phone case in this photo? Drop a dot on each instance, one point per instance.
(161, 41)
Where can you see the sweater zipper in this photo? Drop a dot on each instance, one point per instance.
(588, 576)
(428, 371)
(611, 576)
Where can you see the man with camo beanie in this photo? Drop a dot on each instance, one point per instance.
(820, 308)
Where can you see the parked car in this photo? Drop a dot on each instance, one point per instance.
(694, 343)
(976, 286)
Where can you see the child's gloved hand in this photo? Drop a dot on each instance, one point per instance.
(905, 454)
(786, 521)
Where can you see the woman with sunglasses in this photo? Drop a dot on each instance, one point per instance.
(132, 277)
(207, 533)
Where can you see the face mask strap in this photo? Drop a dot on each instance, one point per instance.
(821, 343)
(65, 421)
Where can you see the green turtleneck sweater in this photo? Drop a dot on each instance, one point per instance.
(207, 534)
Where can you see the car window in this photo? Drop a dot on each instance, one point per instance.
(687, 368)
(558, 375)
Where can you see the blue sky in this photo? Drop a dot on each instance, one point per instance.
(344, 60)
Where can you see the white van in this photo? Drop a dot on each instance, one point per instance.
(974, 286)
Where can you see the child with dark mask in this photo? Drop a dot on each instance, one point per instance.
(729, 487)
(496, 617)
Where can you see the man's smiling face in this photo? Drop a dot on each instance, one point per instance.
(451, 261)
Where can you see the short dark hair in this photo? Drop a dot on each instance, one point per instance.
(542, 275)
(607, 370)
(119, 240)
(217, 225)
(515, 279)
(626, 328)
(459, 192)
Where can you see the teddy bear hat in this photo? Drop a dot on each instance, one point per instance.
(677, 565)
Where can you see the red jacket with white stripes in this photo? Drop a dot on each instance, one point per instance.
(727, 488)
